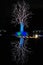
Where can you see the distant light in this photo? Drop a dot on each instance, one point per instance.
(2, 30)
(0, 34)
(36, 35)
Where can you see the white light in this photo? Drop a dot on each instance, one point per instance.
(36, 35)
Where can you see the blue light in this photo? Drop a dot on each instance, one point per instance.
(21, 30)
(21, 33)
(16, 34)
(21, 42)
(24, 34)
(21, 27)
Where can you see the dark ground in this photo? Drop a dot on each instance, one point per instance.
(36, 23)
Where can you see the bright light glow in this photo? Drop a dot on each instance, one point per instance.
(36, 35)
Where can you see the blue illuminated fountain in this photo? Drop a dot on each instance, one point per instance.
(21, 34)
(21, 30)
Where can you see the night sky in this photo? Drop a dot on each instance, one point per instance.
(36, 23)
